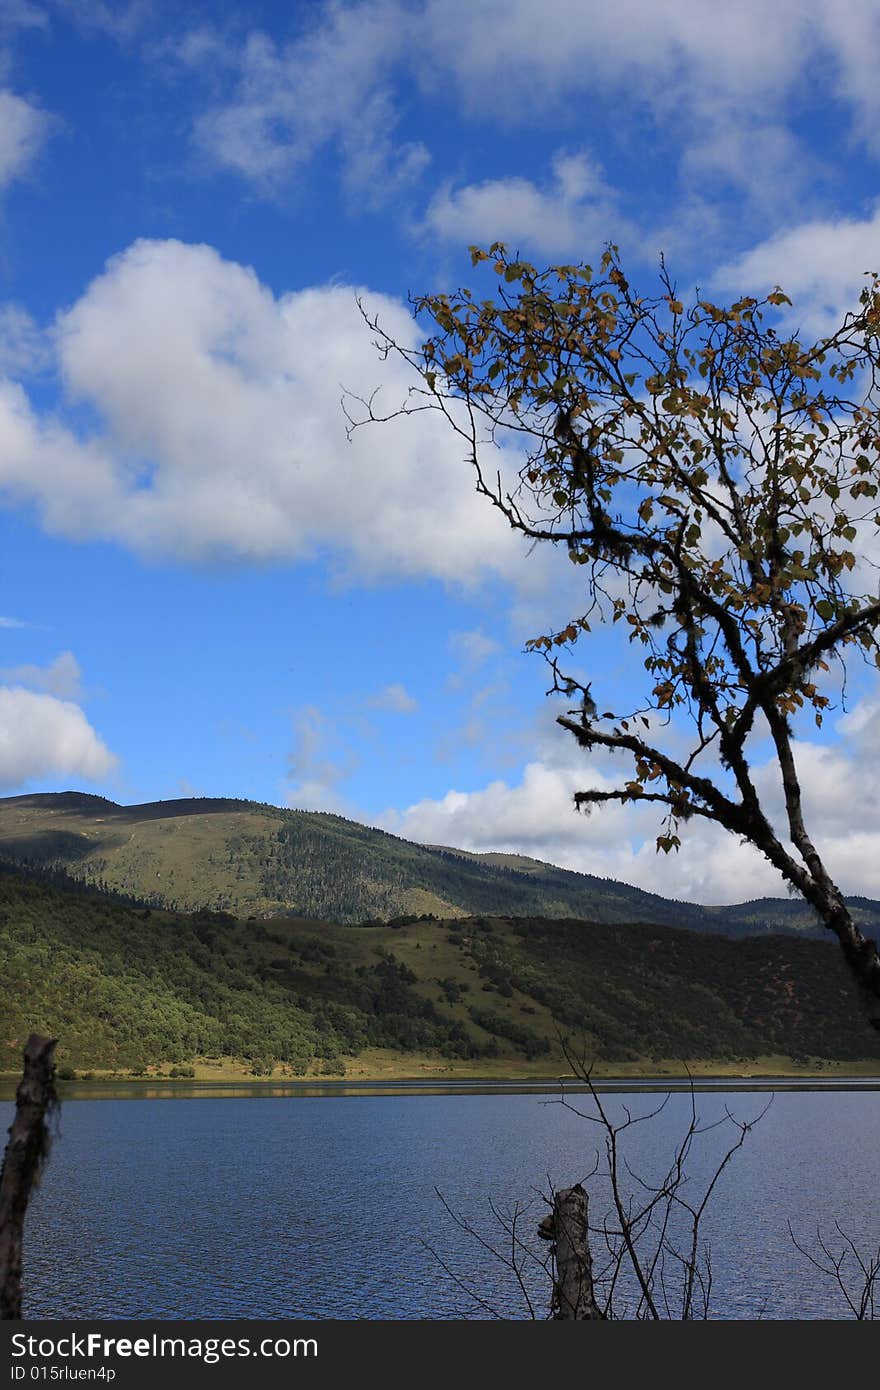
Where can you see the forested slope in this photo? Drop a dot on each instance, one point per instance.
(128, 987)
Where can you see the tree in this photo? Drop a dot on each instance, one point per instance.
(627, 1243)
(645, 1255)
(717, 482)
(23, 1161)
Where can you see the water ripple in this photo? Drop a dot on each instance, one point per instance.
(326, 1208)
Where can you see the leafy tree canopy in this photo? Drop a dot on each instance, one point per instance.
(716, 480)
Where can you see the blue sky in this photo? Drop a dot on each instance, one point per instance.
(206, 588)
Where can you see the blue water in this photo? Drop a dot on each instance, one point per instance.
(326, 1207)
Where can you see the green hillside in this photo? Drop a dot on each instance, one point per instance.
(128, 988)
(255, 860)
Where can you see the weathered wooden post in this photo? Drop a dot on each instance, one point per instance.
(573, 1282)
(26, 1151)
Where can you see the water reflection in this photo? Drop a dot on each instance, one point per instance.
(246, 1090)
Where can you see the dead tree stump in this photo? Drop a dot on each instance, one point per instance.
(25, 1154)
(573, 1279)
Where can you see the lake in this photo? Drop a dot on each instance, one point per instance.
(327, 1206)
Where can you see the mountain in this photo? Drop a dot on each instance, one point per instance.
(137, 988)
(255, 860)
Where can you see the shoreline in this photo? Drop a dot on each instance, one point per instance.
(72, 1092)
(378, 1065)
(397, 1075)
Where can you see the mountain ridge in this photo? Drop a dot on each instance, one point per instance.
(254, 859)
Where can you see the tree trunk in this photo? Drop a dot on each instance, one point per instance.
(26, 1151)
(861, 955)
(573, 1283)
(859, 951)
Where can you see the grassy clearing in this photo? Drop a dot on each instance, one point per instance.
(387, 1065)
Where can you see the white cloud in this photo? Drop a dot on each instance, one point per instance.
(670, 46)
(821, 266)
(534, 813)
(757, 157)
(727, 82)
(862, 725)
(121, 19)
(324, 89)
(41, 736)
(851, 29)
(23, 346)
(722, 79)
(62, 677)
(12, 623)
(474, 647)
(394, 698)
(221, 432)
(535, 816)
(315, 775)
(678, 58)
(21, 14)
(572, 213)
(201, 48)
(23, 130)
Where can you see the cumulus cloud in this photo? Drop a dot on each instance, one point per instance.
(572, 212)
(42, 736)
(23, 130)
(62, 677)
(395, 699)
(820, 264)
(530, 815)
(221, 433)
(535, 815)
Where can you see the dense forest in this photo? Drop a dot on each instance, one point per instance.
(128, 987)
